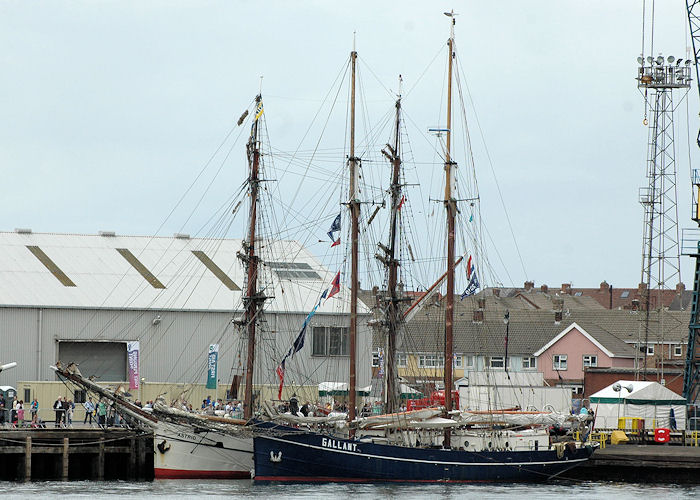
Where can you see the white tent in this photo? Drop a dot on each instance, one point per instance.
(636, 399)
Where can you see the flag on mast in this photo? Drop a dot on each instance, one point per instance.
(335, 285)
(335, 227)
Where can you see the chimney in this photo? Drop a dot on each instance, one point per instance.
(529, 285)
(496, 292)
(478, 316)
(544, 289)
(557, 317)
(642, 288)
(566, 288)
(481, 303)
(558, 304)
(604, 287)
(680, 288)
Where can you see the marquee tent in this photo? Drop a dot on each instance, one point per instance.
(651, 401)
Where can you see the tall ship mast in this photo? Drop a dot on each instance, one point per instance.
(389, 259)
(451, 210)
(354, 207)
(252, 300)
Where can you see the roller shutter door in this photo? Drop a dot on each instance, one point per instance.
(106, 361)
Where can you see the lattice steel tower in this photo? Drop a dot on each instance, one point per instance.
(658, 77)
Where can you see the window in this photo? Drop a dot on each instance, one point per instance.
(678, 350)
(27, 396)
(590, 360)
(375, 358)
(559, 362)
(294, 270)
(650, 349)
(497, 362)
(330, 341)
(458, 361)
(430, 361)
(401, 359)
(468, 361)
(529, 363)
(625, 294)
(79, 396)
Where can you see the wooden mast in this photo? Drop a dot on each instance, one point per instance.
(354, 206)
(392, 316)
(451, 208)
(252, 298)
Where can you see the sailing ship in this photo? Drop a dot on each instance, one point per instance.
(426, 445)
(196, 446)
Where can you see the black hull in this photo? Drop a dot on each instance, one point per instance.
(297, 456)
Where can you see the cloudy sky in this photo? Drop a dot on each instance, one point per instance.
(111, 109)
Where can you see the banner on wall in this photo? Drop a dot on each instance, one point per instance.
(212, 360)
(132, 356)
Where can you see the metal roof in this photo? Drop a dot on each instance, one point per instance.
(124, 272)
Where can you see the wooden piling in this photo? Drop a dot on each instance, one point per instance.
(132, 472)
(64, 464)
(28, 458)
(101, 460)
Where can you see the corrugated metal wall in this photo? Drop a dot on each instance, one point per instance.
(173, 344)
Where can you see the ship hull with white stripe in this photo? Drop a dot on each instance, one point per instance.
(298, 456)
(185, 452)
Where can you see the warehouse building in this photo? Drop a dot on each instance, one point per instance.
(84, 298)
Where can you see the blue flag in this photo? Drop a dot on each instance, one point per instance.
(335, 227)
(471, 287)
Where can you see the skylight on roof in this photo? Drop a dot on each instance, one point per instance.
(625, 294)
(578, 294)
(294, 270)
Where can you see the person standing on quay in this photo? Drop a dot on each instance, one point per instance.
(58, 408)
(34, 408)
(89, 410)
(101, 413)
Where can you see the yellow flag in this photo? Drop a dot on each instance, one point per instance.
(259, 111)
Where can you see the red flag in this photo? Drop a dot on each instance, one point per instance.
(336, 285)
(280, 374)
(336, 243)
(403, 198)
(469, 267)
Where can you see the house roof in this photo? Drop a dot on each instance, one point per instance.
(171, 273)
(530, 329)
(583, 332)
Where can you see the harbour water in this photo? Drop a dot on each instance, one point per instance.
(247, 489)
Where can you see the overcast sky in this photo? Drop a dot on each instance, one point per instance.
(111, 108)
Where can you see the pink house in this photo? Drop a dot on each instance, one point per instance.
(563, 359)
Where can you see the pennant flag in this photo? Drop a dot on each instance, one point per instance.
(335, 288)
(280, 374)
(259, 110)
(298, 343)
(470, 267)
(335, 227)
(471, 287)
(471, 217)
(403, 199)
